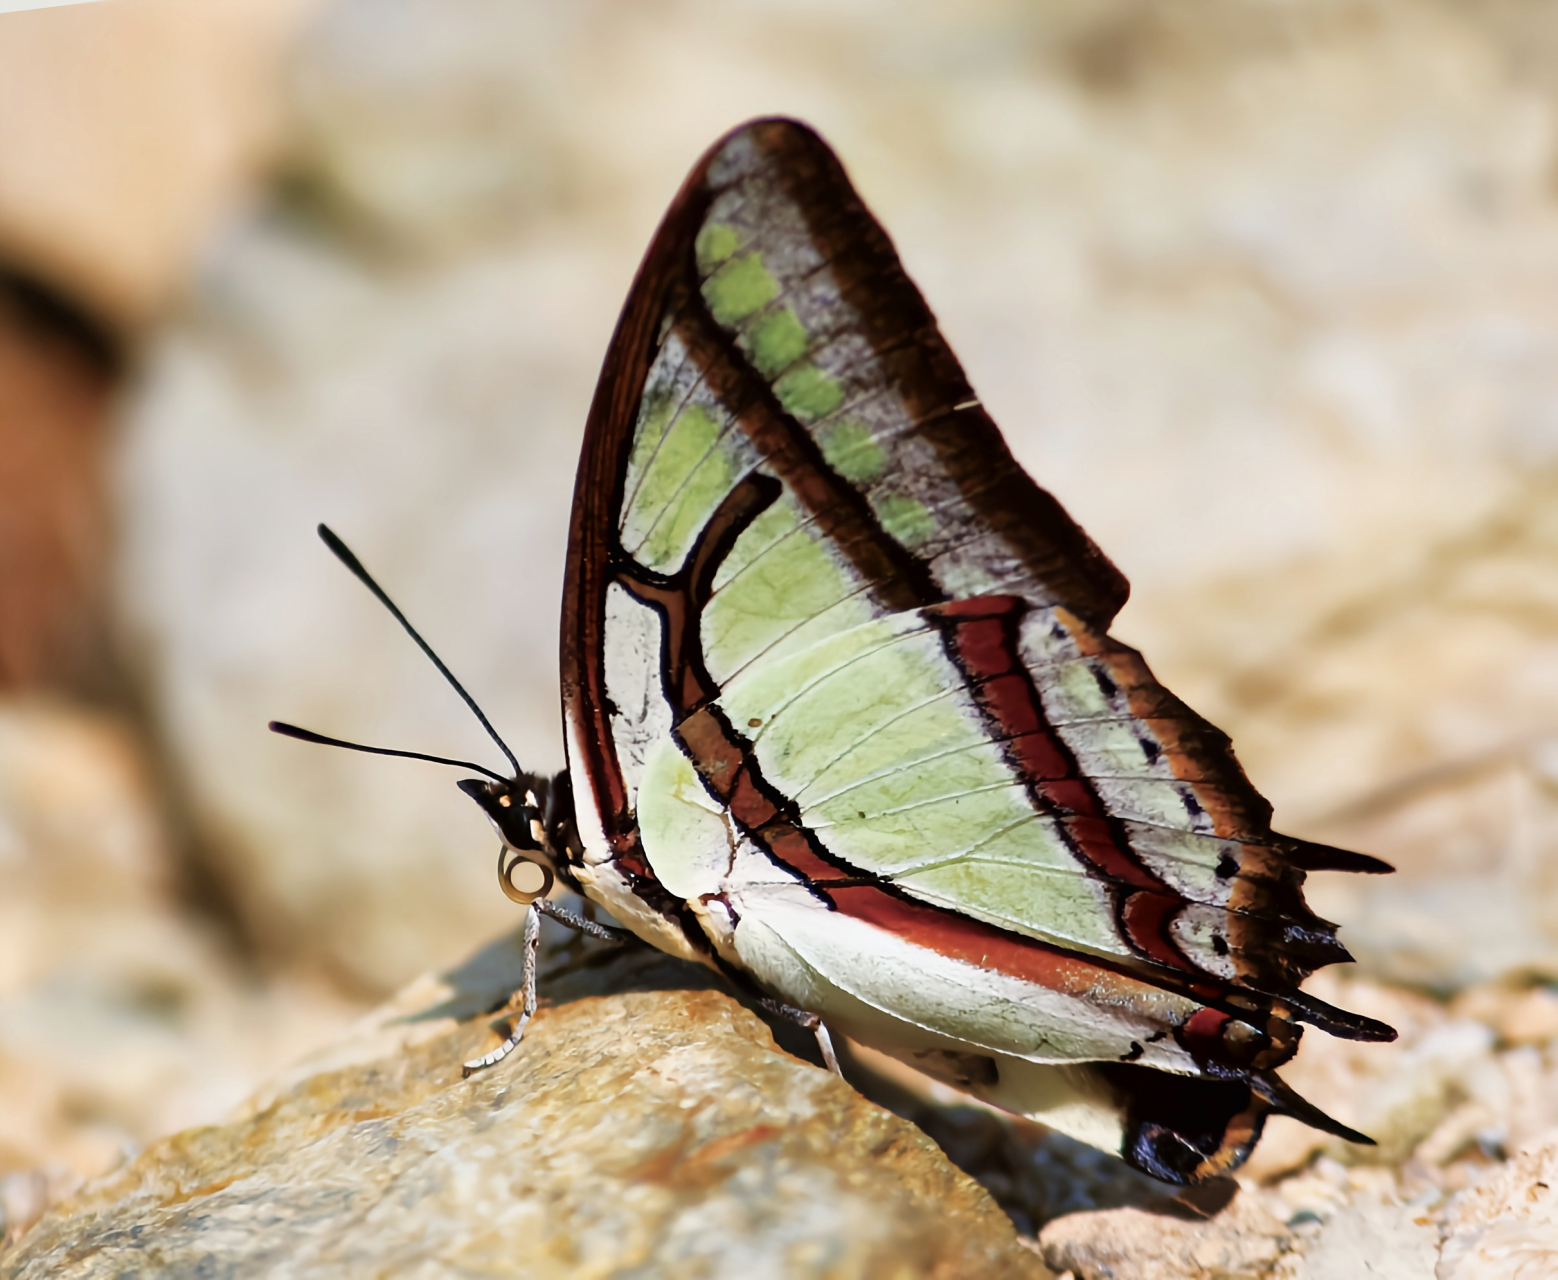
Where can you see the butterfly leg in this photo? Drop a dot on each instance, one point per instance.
(581, 924)
(812, 1023)
(825, 1043)
(526, 995)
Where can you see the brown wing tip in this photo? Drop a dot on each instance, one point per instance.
(765, 124)
(1308, 856)
(1342, 1023)
(765, 132)
(1285, 1102)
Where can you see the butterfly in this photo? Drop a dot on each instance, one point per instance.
(844, 721)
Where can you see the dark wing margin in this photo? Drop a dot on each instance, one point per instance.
(1031, 527)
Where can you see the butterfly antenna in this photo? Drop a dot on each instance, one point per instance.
(342, 553)
(308, 735)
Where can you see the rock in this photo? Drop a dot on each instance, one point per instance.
(1506, 1226)
(306, 390)
(1519, 1014)
(657, 1131)
(56, 376)
(1371, 1238)
(447, 128)
(166, 111)
(122, 1014)
(1242, 1242)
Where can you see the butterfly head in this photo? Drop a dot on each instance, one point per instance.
(533, 815)
(525, 813)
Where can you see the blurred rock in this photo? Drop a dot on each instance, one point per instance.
(1506, 1227)
(1518, 1014)
(1371, 1238)
(121, 1017)
(1242, 1242)
(430, 127)
(433, 423)
(125, 130)
(56, 377)
(653, 1131)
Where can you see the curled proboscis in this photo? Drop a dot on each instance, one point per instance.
(535, 878)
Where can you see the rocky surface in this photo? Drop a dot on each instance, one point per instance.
(1244, 1239)
(54, 520)
(1507, 1225)
(650, 1124)
(124, 1014)
(643, 1133)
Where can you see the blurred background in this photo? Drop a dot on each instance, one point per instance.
(1266, 291)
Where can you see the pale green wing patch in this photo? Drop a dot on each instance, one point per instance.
(777, 341)
(783, 520)
(738, 288)
(1012, 888)
(798, 735)
(672, 379)
(910, 778)
(870, 731)
(807, 393)
(781, 587)
(686, 836)
(904, 518)
(699, 459)
(852, 451)
(746, 293)
(716, 243)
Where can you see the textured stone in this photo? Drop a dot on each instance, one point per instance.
(649, 1132)
(1506, 1227)
(1373, 1239)
(122, 1015)
(1242, 1242)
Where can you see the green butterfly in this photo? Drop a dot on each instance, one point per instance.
(845, 723)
